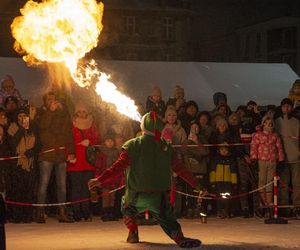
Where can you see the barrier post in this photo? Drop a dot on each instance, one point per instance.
(275, 219)
(2, 224)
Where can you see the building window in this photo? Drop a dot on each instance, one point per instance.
(283, 38)
(290, 59)
(258, 45)
(130, 25)
(247, 47)
(168, 28)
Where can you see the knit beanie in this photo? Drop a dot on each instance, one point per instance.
(286, 101)
(296, 83)
(151, 125)
(170, 110)
(155, 91)
(178, 91)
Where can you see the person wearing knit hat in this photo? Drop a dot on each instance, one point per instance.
(148, 161)
(190, 114)
(178, 101)
(294, 94)
(266, 148)
(8, 89)
(25, 141)
(155, 103)
(85, 134)
(288, 127)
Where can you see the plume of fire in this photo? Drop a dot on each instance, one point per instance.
(63, 31)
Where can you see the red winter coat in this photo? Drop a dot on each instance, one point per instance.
(81, 164)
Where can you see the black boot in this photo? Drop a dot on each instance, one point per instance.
(184, 242)
(133, 237)
(63, 216)
(40, 215)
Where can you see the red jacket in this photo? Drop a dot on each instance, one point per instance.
(81, 164)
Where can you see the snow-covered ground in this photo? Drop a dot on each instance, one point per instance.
(229, 234)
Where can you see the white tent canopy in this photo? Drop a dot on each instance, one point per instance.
(263, 83)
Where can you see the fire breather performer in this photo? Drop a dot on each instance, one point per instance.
(148, 162)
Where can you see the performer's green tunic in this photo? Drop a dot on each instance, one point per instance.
(149, 175)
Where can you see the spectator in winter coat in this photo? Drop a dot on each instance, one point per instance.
(8, 89)
(203, 120)
(223, 179)
(173, 124)
(11, 105)
(294, 94)
(189, 115)
(266, 148)
(85, 134)
(55, 129)
(155, 103)
(178, 102)
(24, 139)
(109, 154)
(288, 128)
(196, 161)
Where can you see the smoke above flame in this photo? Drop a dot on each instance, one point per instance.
(64, 31)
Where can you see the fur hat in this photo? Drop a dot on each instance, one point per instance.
(178, 90)
(152, 125)
(296, 83)
(267, 117)
(170, 110)
(155, 91)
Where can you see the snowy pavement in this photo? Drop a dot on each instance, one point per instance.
(229, 234)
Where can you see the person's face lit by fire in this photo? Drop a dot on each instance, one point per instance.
(82, 114)
(8, 86)
(171, 118)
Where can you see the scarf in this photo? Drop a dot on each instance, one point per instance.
(27, 142)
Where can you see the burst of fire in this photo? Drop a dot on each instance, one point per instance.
(64, 31)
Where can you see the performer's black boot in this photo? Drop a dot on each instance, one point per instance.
(133, 237)
(184, 242)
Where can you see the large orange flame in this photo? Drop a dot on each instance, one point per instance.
(64, 31)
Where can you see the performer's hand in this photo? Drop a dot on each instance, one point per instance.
(93, 183)
(85, 142)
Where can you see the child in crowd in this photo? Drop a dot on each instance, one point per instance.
(266, 148)
(294, 94)
(178, 101)
(109, 154)
(223, 179)
(8, 89)
(196, 160)
(155, 103)
(172, 123)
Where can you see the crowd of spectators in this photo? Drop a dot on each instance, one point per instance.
(228, 151)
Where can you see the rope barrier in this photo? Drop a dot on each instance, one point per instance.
(59, 204)
(23, 156)
(227, 197)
